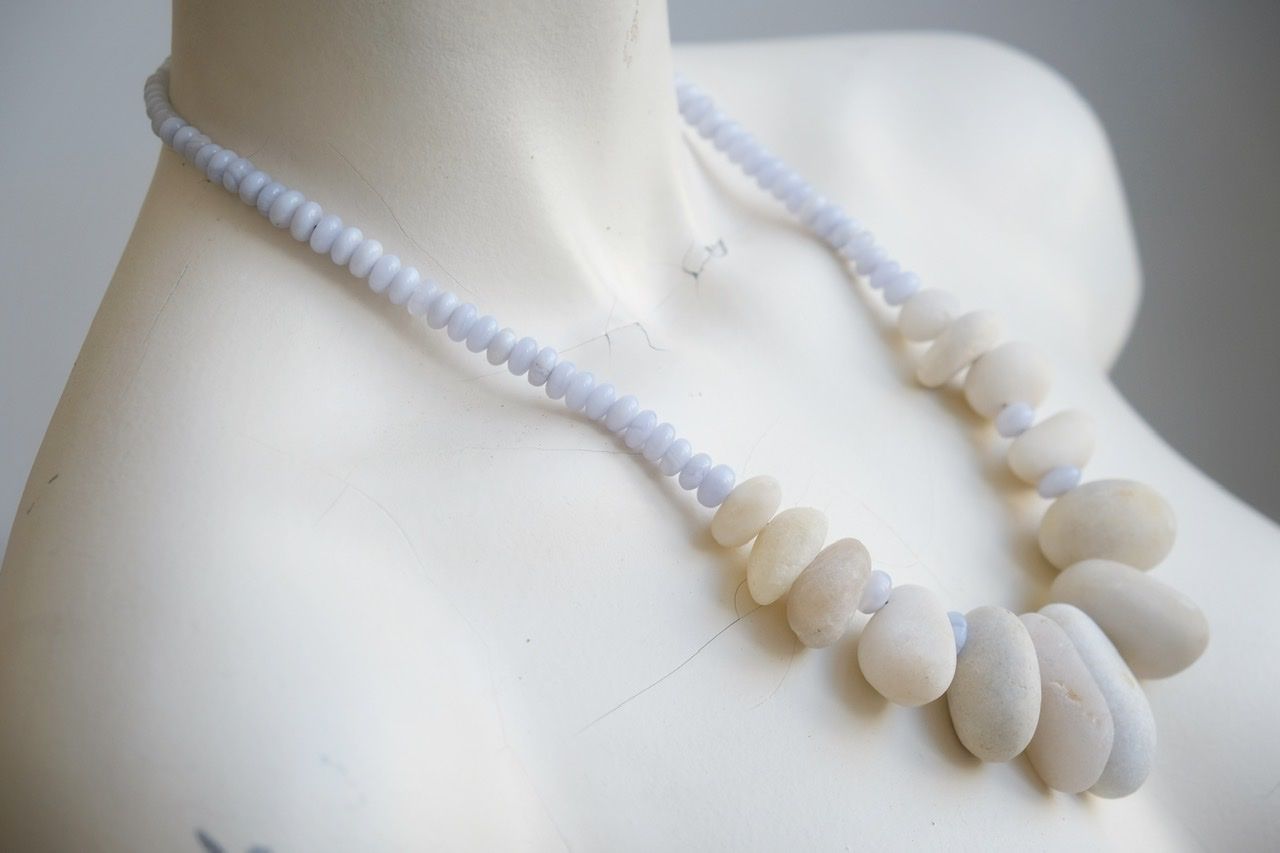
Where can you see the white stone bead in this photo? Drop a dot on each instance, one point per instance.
(384, 270)
(364, 257)
(267, 196)
(1067, 438)
(403, 284)
(1119, 520)
(1073, 739)
(325, 232)
(1014, 372)
(344, 245)
(599, 401)
(441, 309)
(876, 595)
(1157, 630)
(304, 221)
(781, 551)
(746, 511)
(252, 184)
(280, 214)
(693, 471)
(676, 457)
(1015, 419)
(422, 297)
(235, 173)
(621, 412)
(966, 338)
(640, 428)
(543, 363)
(461, 321)
(482, 332)
(925, 315)
(1133, 746)
(907, 650)
(1056, 482)
(994, 698)
(716, 486)
(218, 164)
(500, 346)
(558, 381)
(580, 388)
(826, 594)
(901, 287)
(660, 441)
(522, 355)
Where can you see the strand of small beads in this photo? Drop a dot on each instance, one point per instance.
(1056, 684)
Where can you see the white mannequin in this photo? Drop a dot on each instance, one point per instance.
(294, 570)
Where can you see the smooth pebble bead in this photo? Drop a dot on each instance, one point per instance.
(826, 594)
(1073, 739)
(169, 127)
(403, 284)
(1011, 373)
(344, 245)
(500, 346)
(580, 387)
(1056, 482)
(640, 428)
(966, 338)
(441, 310)
(1015, 419)
(206, 153)
(522, 355)
(782, 550)
(1119, 520)
(716, 486)
(182, 136)
(1067, 438)
(959, 628)
(994, 698)
(676, 457)
(280, 214)
(1133, 745)
(383, 272)
(251, 185)
(364, 257)
(304, 221)
(558, 381)
(884, 274)
(693, 471)
(907, 650)
(876, 595)
(1158, 630)
(927, 314)
(267, 196)
(422, 297)
(620, 413)
(660, 441)
(482, 331)
(325, 232)
(746, 511)
(461, 321)
(235, 173)
(599, 401)
(218, 164)
(901, 288)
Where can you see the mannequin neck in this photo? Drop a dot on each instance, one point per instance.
(530, 149)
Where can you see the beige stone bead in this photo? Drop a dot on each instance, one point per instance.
(1066, 438)
(826, 595)
(966, 338)
(1157, 630)
(746, 511)
(1119, 520)
(907, 651)
(994, 698)
(1073, 739)
(1133, 749)
(1014, 372)
(787, 544)
(927, 313)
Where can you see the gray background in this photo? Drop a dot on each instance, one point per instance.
(1187, 90)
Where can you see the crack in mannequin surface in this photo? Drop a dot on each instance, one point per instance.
(293, 570)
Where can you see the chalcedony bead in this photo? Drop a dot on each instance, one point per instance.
(599, 401)
(693, 471)
(461, 321)
(325, 232)
(876, 594)
(403, 284)
(660, 441)
(543, 363)
(558, 381)
(482, 332)
(522, 355)
(500, 346)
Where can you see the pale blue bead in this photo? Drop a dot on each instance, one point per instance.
(325, 232)
(543, 363)
(267, 196)
(1015, 419)
(799, 197)
(786, 183)
(218, 164)
(305, 219)
(442, 308)
(422, 297)
(715, 486)
(283, 207)
(252, 184)
(860, 241)
(464, 317)
(876, 593)
(640, 428)
(901, 287)
(841, 232)
(206, 153)
(710, 123)
(813, 210)
(599, 401)
(558, 381)
(193, 146)
(383, 271)
(676, 456)
(580, 388)
(500, 346)
(522, 356)
(959, 627)
(693, 471)
(235, 172)
(344, 245)
(726, 135)
(481, 333)
(182, 136)
(745, 151)
(1056, 482)
(621, 413)
(364, 257)
(659, 442)
(769, 173)
(870, 259)
(403, 284)
(169, 127)
(697, 106)
(884, 274)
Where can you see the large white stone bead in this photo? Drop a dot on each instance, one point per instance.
(1117, 520)
(746, 511)
(826, 595)
(960, 343)
(1157, 630)
(787, 544)
(1073, 739)
(907, 651)
(1133, 748)
(994, 698)
(927, 313)
(1065, 439)
(1014, 372)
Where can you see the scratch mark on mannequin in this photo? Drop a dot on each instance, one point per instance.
(633, 36)
(146, 339)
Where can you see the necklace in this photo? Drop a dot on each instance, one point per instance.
(1060, 684)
